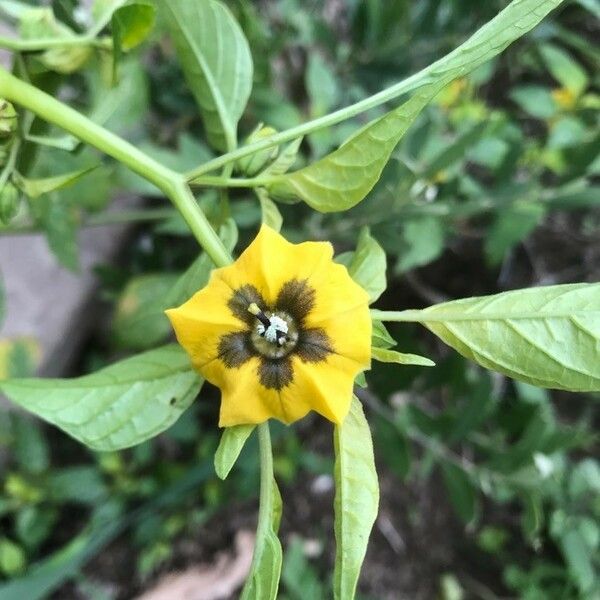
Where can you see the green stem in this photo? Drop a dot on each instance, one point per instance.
(401, 316)
(171, 183)
(19, 45)
(415, 81)
(266, 483)
(229, 182)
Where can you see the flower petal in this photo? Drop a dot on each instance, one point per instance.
(270, 261)
(203, 320)
(326, 386)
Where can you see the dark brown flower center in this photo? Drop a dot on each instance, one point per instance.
(274, 333)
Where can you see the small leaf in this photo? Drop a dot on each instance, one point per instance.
(356, 499)
(19, 357)
(422, 242)
(578, 558)
(130, 25)
(270, 213)
(400, 358)
(60, 222)
(119, 406)
(140, 321)
(564, 69)
(546, 336)
(285, 159)
(380, 337)
(231, 444)
(216, 61)
(368, 265)
(34, 188)
(461, 491)
(512, 225)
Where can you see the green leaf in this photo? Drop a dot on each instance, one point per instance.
(546, 336)
(285, 159)
(368, 265)
(578, 558)
(19, 357)
(270, 213)
(422, 242)
(231, 444)
(59, 221)
(119, 406)
(512, 225)
(535, 100)
(356, 499)
(130, 26)
(380, 337)
(30, 447)
(343, 178)
(216, 61)
(400, 358)
(263, 581)
(34, 188)
(321, 85)
(12, 557)
(462, 493)
(83, 485)
(564, 69)
(140, 321)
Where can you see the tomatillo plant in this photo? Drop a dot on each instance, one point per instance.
(286, 328)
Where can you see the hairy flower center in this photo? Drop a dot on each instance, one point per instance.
(275, 334)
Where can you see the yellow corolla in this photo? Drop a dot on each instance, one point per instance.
(282, 331)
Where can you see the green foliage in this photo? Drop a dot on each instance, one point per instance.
(544, 336)
(231, 444)
(116, 407)
(356, 498)
(220, 80)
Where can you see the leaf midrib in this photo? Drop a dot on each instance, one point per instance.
(71, 385)
(214, 91)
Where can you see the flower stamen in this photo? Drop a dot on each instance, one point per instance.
(274, 329)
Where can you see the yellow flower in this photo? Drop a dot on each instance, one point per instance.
(282, 331)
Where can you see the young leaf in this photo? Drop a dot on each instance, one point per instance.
(216, 62)
(356, 499)
(564, 69)
(270, 213)
(380, 336)
(546, 336)
(343, 178)
(285, 159)
(34, 188)
(461, 491)
(119, 406)
(140, 321)
(59, 221)
(400, 358)
(368, 265)
(130, 26)
(422, 242)
(231, 444)
(511, 226)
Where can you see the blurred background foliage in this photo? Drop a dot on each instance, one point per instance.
(489, 488)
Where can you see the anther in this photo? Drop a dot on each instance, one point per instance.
(259, 314)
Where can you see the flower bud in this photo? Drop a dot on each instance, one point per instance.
(9, 203)
(251, 165)
(8, 119)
